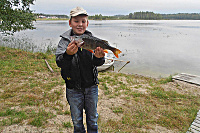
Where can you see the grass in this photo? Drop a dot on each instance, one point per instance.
(26, 82)
(15, 117)
(31, 94)
(118, 110)
(166, 108)
(67, 124)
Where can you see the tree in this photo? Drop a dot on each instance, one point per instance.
(15, 15)
(130, 16)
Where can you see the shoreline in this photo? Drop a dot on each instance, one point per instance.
(123, 19)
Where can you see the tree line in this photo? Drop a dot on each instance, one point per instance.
(136, 15)
(149, 16)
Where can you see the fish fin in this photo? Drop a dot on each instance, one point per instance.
(90, 50)
(72, 38)
(80, 44)
(106, 51)
(116, 52)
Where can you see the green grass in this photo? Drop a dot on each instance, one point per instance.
(40, 118)
(67, 124)
(27, 82)
(30, 93)
(118, 110)
(167, 108)
(13, 116)
(165, 80)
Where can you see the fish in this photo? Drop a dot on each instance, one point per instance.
(90, 43)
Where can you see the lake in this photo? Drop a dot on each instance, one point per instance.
(153, 47)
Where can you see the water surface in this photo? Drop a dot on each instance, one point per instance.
(154, 47)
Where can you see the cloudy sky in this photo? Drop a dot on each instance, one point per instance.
(116, 7)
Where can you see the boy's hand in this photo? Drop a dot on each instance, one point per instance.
(72, 48)
(99, 53)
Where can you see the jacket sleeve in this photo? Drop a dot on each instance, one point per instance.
(63, 60)
(98, 61)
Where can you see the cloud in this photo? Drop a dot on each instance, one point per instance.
(108, 7)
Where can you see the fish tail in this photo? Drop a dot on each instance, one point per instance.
(116, 52)
(106, 51)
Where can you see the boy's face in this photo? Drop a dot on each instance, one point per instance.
(79, 24)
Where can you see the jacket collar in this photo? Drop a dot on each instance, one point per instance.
(69, 33)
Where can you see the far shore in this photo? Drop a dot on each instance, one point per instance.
(47, 19)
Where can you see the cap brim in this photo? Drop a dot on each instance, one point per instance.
(77, 14)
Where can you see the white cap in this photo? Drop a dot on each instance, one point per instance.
(77, 11)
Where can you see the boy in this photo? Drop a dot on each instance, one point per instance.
(78, 69)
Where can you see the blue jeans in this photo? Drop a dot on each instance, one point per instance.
(87, 99)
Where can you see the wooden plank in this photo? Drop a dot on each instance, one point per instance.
(197, 118)
(193, 79)
(198, 113)
(193, 129)
(195, 126)
(197, 121)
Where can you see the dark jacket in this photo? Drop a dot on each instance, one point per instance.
(78, 70)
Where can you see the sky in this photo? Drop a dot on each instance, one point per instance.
(116, 7)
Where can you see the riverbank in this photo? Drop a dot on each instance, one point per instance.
(32, 99)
